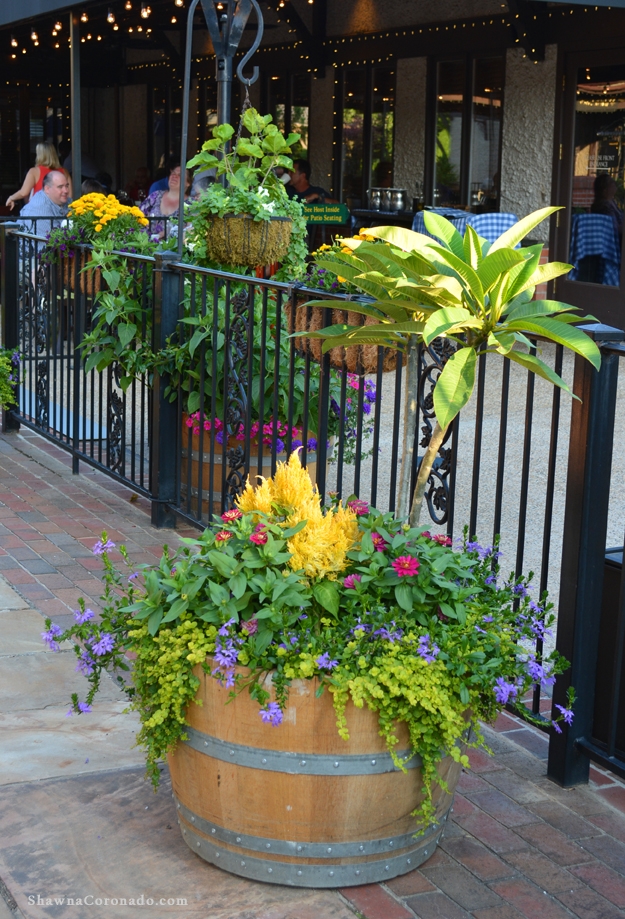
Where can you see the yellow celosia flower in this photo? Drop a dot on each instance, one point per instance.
(320, 548)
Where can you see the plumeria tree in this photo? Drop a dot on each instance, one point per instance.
(477, 294)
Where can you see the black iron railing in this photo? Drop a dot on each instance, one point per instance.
(229, 371)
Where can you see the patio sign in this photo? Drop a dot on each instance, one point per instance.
(326, 213)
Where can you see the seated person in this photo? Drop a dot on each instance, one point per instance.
(605, 190)
(51, 202)
(90, 187)
(300, 188)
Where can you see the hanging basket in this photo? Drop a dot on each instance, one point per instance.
(90, 280)
(357, 358)
(238, 239)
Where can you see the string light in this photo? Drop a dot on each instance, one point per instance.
(127, 5)
(84, 17)
(13, 41)
(145, 11)
(58, 26)
(34, 35)
(173, 20)
(110, 16)
(179, 2)
(115, 28)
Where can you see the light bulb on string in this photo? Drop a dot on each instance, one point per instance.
(145, 11)
(58, 26)
(127, 5)
(34, 35)
(13, 41)
(179, 2)
(110, 16)
(115, 28)
(84, 17)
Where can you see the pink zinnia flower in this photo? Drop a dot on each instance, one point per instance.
(250, 626)
(358, 507)
(223, 535)
(351, 580)
(406, 566)
(379, 542)
(442, 540)
(259, 537)
(234, 514)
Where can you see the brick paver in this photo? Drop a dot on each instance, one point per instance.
(516, 847)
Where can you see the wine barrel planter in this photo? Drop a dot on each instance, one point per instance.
(90, 280)
(296, 804)
(357, 358)
(238, 239)
(197, 461)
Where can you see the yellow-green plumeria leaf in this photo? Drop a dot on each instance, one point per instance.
(460, 269)
(568, 335)
(494, 265)
(501, 341)
(472, 248)
(541, 275)
(444, 319)
(519, 231)
(441, 228)
(454, 386)
(535, 365)
(401, 237)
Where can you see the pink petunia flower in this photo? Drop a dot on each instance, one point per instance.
(406, 566)
(351, 580)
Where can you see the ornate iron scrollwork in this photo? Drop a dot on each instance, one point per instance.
(431, 362)
(39, 338)
(237, 344)
(115, 421)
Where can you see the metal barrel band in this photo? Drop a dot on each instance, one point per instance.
(298, 763)
(303, 875)
(306, 850)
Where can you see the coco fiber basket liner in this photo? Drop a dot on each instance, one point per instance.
(238, 239)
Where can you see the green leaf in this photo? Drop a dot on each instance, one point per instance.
(327, 596)
(126, 332)
(472, 248)
(444, 319)
(262, 641)
(403, 595)
(405, 239)
(562, 333)
(519, 231)
(465, 698)
(238, 585)
(496, 263)
(443, 229)
(219, 594)
(455, 385)
(443, 561)
(178, 607)
(535, 365)
(155, 620)
(226, 565)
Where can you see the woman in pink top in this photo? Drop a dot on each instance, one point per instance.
(46, 160)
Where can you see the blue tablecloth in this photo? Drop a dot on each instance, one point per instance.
(595, 234)
(489, 226)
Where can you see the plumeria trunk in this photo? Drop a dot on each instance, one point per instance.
(410, 426)
(436, 440)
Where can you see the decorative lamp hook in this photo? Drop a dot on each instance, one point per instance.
(259, 37)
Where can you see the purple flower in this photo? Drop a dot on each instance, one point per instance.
(567, 714)
(491, 579)
(135, 574)
(101, 547)
(427, 651)
(225, 629)
(312, 444)
(104, 645)
(86, 664)
(520, 590)
(82, 617)
(556, 727)
(540, 674)
(51, 635)
(272, 714)
(324, 662)
(504, 691)
(488, 618)
(84, 707)
(295, 443)
(15, 359)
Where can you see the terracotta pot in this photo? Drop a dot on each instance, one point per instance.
(237, 239)
(312, 318)
(296, 804)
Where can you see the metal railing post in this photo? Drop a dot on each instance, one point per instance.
(9, 284)
(165, 435)
(583, 552)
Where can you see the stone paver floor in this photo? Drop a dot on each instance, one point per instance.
(77, 819)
